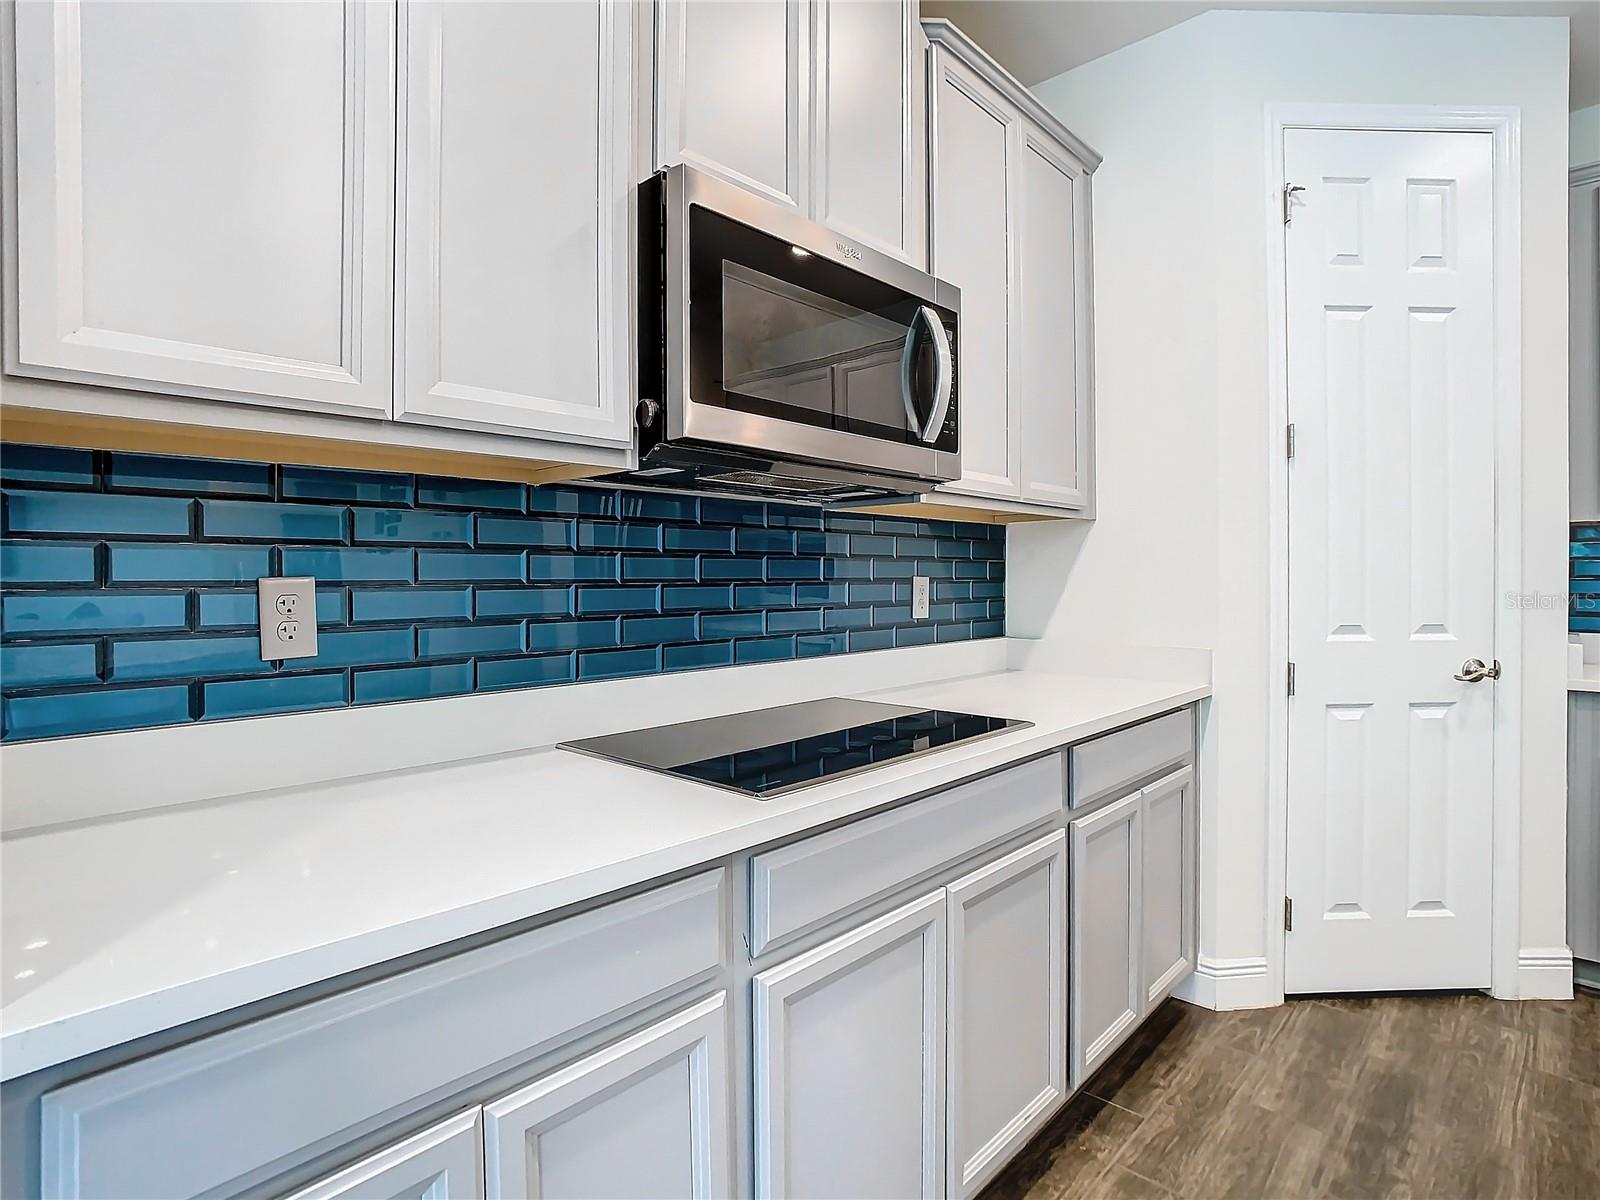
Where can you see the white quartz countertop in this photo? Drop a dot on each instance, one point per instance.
(117, 928)
(1589, 681)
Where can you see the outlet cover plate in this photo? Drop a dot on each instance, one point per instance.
(287, 610)
(919, 597)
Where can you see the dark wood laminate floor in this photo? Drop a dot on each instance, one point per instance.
(1433, 1096)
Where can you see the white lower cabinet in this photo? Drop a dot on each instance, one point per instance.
(1008, 1008)
(1167, 885)
(443, 1162)
(1106, 942)
(645, 1118)
(849, 1063)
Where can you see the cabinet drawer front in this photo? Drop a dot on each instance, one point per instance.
(1118, 761)
(443, 1162)
(243, 1105)
(797, 888)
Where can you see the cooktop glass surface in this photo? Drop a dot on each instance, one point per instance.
(776, 750)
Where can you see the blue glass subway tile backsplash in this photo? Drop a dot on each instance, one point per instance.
(1584, 585)
(127, 586)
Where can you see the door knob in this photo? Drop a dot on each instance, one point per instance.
(1475, 670)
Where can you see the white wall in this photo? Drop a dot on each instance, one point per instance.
(1179, 553)
(1583, 137)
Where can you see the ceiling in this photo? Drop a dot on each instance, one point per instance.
(1036, 39)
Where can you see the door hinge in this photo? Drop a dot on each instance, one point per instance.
(1289, 440)
(1288, 915)
(1291, 679)
(1289, 189)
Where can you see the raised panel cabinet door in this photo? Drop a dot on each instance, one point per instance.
(443, 1162)
(514, 225)
(849, 1063)
(1167, 885)
(646, 1118)
(733, 90)
(1053, 344)
(1008, 1008)
(869, 152)
(204, 199)
(1105, 1002)
(974, 149)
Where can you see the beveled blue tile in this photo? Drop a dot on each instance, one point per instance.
(936, 568)
(465, 565)
(767, 649)
(915, 547)
(418, 527)
(891, 614)
(971, 570)
(997, 608)
(48, 665)
(356, 647)
(660, 567)
(959, 631)
(950, 589)
(523, 602)
(176, 562)
(46, 562)
(781, 516)
(820, 594)
(871, 639)
(250, 520)
(847, 522)
(133, 659)
(847, 618)
(847, 568)
(701, 654)
(732, 625)
(471, 493)
(948, 529)
(680, 599)
(989, 550)
(376, 685)
(96, 513)
(528, 671)
(575, 502)
(870, 593)
(695, 537)
(410, 604)
(352, 487)
(27, 614)
(988, 591)
(731, 568)
(188, 476)
(618, 599)
(794, 568)
(914, 635)
(572, 568)
(831, 545)
(1591, 567)
(892, 568)
(732, 512)
(811, 645)
(764, 595)
(941, 612)
(524, 531)
(972, 610)
(952, 548)
(95, 711)
(984, 629)
(1584, 624)
(610, 664)
(895, 526)
(221, 610)
(274, 694)
(642, 630)
(46, 464)
(805, 620)
(594, 535)
(646, 506)
(351, 564)
(461, 641)
(572, 635)
(871, 545)
(763, 541)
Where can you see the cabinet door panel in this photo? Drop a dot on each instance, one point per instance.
(1106, 943)
(1008, 1008)
(643, 1119)
(515, 245)
(868, 171)
(1167, 885)
(849, 1063)
(733, 91)
(444, 1162)
(1047, 388)
(205, 198)
(971, 249)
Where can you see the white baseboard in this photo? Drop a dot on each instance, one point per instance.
(1544, 973)
(1227, 983)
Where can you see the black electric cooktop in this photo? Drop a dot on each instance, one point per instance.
(776, 750)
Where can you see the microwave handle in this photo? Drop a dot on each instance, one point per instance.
(941, 393)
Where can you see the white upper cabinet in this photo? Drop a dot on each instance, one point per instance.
(1011, 228)
(204, 199)
(868, 171)
(516, 172)
(816, 104)
(733, 87)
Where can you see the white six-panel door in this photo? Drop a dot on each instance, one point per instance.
(515, 177)
(206, 200)
(1391, 549)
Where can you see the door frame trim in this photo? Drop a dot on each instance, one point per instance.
(1504, 124)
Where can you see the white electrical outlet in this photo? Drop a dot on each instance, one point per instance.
(287, 607)
(919, 597)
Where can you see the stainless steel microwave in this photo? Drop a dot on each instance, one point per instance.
(780, 359)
